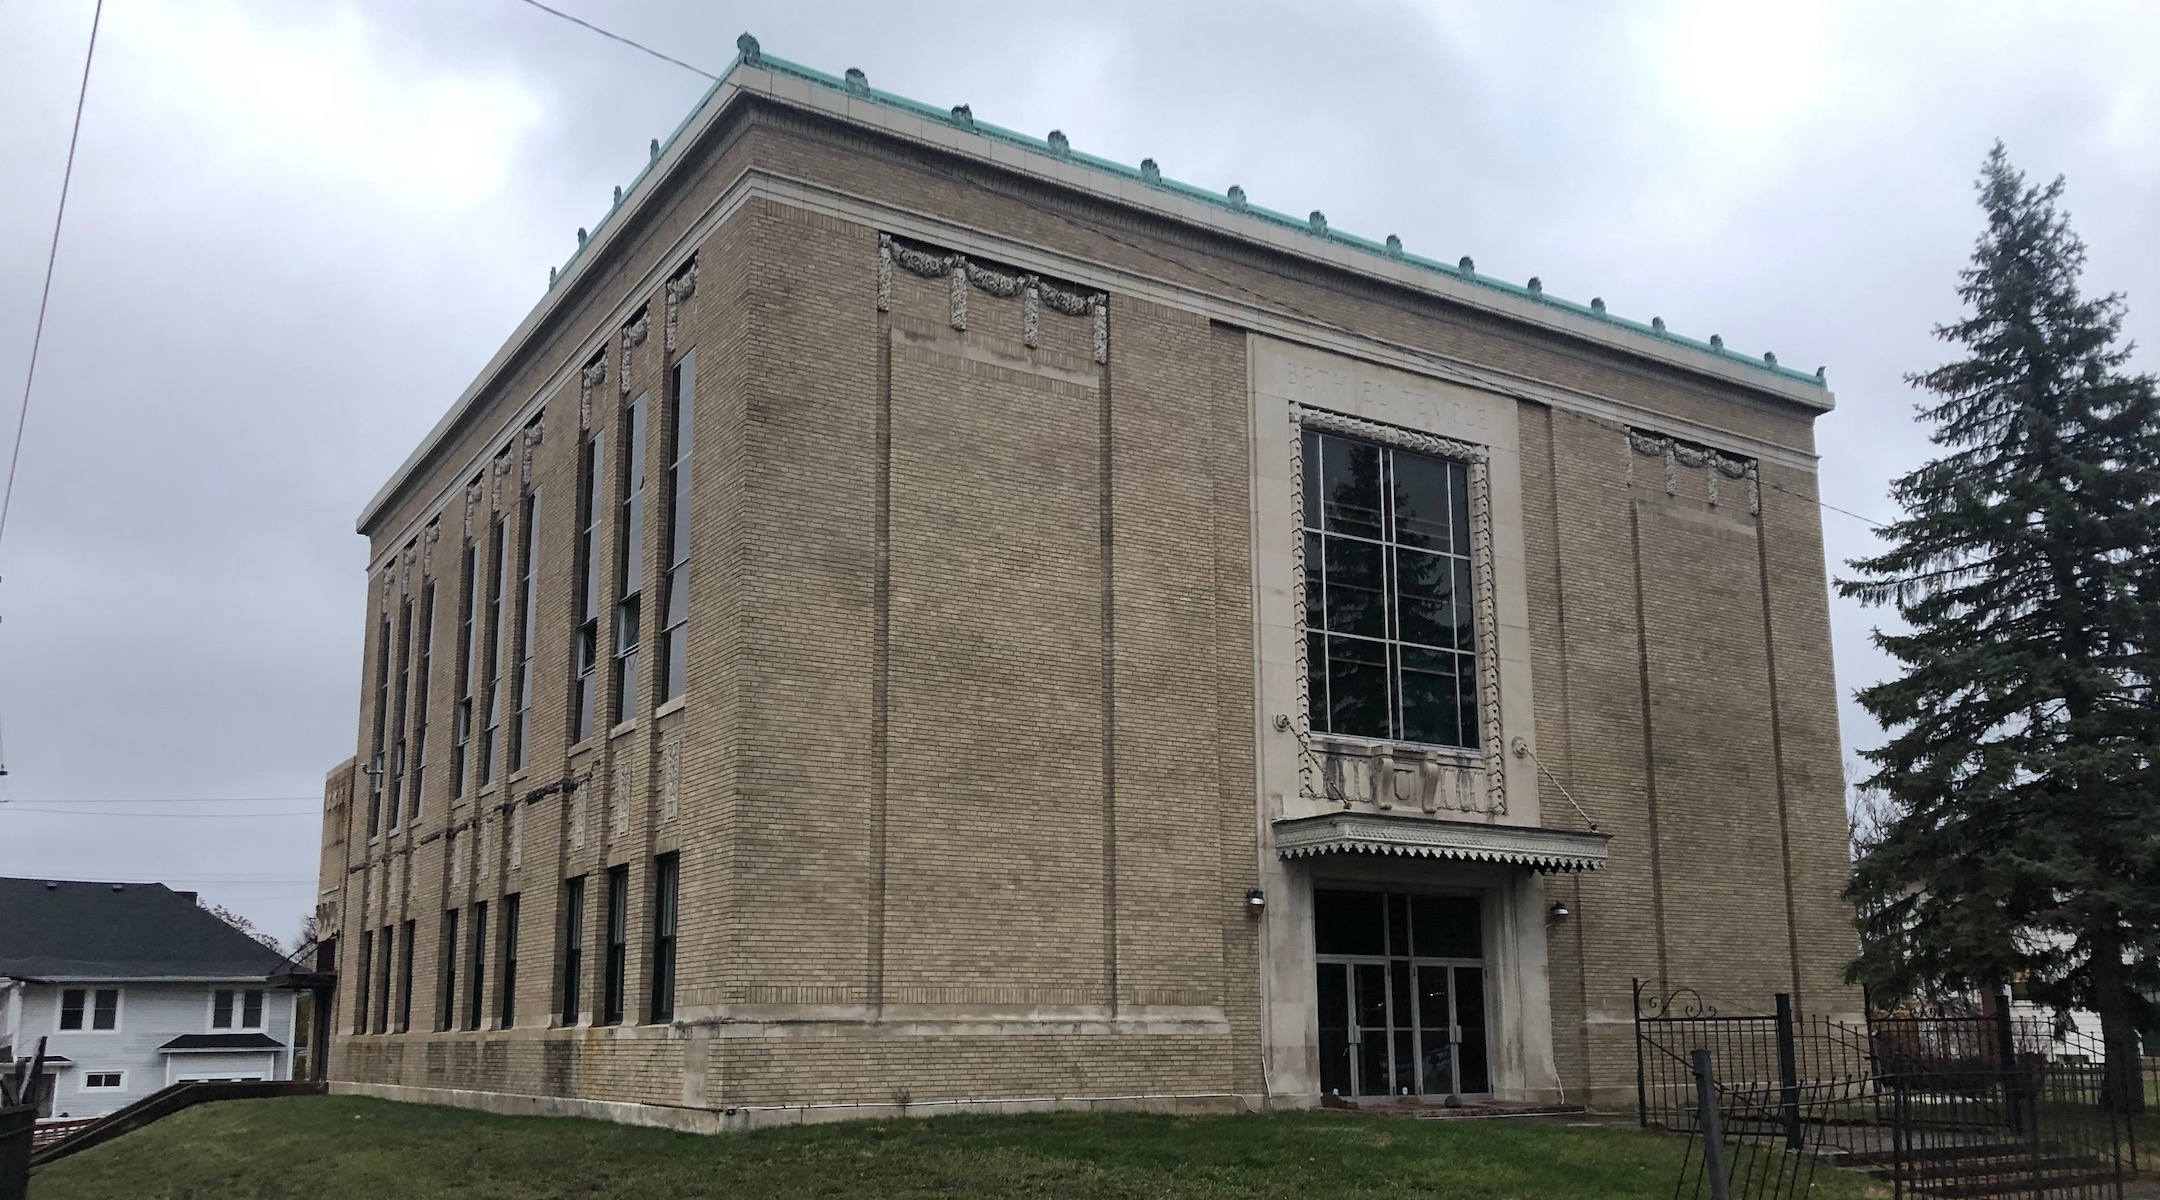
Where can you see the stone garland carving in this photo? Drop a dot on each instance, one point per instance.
(622, 797)
(590, 376)
(405, 566)
(428, 537)
(495, 479)
(577, 815)
(486, 851)
(680, 288)
(670, 778)
(517, 836)
(1712, 463)
(472, 501)
(1481, 570)
(457, 861)
(962, 275)
(633, 336)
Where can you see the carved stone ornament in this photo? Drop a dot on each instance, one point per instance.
(457, 861)
(472, 501)
(633, 336)
(679, 289)
(590, 376)
(530, 443)
(1486, 612)
(405, 566)
(486, 852)
(495, 479)
(962, 276)
(622, 797)
(517, 836)
(577, 815)
(428, 537)
(670, 778)
(1712, 463)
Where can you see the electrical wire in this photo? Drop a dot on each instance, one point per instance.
(52, 256)
(207, 816)
(181, 800)
(616, 37)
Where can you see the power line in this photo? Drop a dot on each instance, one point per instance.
(184, 800)
(200, 816)
(52, 255)
(616, 37)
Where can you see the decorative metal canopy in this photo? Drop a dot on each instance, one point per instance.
(1367, 833)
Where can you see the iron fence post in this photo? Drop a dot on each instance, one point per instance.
(1642, 1097)
(2006, 1052)
(1713, 1137)
(1788, 1063)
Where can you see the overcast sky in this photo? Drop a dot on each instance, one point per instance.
(297, 231)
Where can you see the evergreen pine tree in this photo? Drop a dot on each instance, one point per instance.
(2026, 840)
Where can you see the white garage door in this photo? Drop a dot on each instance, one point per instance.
(188, 1068)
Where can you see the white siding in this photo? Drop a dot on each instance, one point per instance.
(151, 1014)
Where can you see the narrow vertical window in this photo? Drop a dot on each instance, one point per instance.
(467, 667)
(360, 996)
(573, 964)
(498, 579)
(448, 1019)
(221, 1009)
(405, 974)
(421, 686)
(675, 583)
(630, 562)
(382, 725)
(587, 648)
(666, 883)
(105, 1009)
(382, 978)
(394, 802)
(251, 1009)
(508, 986)
(618, 945)
(1390, 642)
(475, 992)
(528, 568)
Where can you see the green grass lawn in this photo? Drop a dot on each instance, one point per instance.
(350, 1148)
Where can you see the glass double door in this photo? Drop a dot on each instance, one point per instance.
(1401, 995)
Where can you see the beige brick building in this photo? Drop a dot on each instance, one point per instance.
(921, 618)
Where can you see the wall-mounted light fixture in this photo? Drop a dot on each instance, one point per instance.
(1556, 914)
(1255, 901)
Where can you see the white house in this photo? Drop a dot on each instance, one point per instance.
(134, 987)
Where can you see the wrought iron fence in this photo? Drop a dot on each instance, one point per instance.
(1957, 1106)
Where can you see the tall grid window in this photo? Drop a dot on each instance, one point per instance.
(475, 992)
(422, 684)
(360, 997)
(573, 962)
(587, 640)
(406, 939)
(675, 583)
(498, 635)
(528, 593)
(509, 952)
(1388, 597)
(382, 726)
(382, 979)
(448, 1018)
(618, 946)
(630, 562)
(667, 872)
(468, 666)
(394, 803)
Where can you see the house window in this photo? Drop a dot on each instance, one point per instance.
(630, 562)
(360, 998)
(103, 1079)
(405, 973)
(1388, 598)
(573, 949)
(587, 648)
(666, 878)
(521, 723)
(228, 1005)
(675, 583)
(468, 665)
(420, 698)
(497, 657)
(475, 992)
(382, 725)
(618, 945)
(102, 1007)
(508, 985)
(449, 971)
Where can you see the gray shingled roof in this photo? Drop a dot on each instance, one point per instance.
(64, 930)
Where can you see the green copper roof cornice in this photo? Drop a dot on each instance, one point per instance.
(855, 84)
